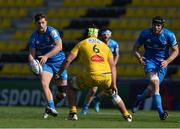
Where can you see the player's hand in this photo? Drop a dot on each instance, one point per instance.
(35, 67)
(114, 89)
(141, 60)
(164, 64)
(43, 59)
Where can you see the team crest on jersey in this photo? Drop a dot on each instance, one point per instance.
(97, 58)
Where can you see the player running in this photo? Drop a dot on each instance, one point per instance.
(156, 41)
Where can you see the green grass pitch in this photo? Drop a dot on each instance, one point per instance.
(31, 117)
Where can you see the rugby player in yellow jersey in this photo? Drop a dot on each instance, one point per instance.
(100, 71)
(91, 96)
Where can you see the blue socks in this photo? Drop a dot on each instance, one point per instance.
(156, 99)
(158, 103)
(143, 96)
(51, 104)
(85, 105)
(96, 99)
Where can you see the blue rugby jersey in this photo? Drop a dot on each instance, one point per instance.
(114, 46)
(156, 46)
(44, 43)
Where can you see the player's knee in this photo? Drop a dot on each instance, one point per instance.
(154, 79)
(62, 91)
(116, 99)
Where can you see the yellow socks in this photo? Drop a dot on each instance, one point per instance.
(73, 109)
(125, 113)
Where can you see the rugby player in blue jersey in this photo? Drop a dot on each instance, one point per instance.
(46, 42)
(106, 34)
(157, 42)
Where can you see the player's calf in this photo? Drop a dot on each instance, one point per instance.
(118, 101)
(61, 95)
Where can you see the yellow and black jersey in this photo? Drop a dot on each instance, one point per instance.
(94, 55)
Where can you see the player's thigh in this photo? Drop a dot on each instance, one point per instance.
(83, 81)
(46, 75)
(103, 82)
(150, 67)
(47, 68)
(46, 78)
(151, 72)
(89, 81)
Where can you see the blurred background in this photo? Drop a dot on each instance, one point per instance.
(126, 18)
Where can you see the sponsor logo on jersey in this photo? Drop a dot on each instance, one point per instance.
(97, 58)
(54, 34)
(93, 41)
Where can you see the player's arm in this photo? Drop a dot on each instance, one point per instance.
(113, 72)
(33, 63)
(173, 55)
(137, 53)
(32, 48)
(32, 52)
(66, 63)
(73, 54)
(55, 50)
(116, 56)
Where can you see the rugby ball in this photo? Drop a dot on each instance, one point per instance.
(39, 66)
(36, 67)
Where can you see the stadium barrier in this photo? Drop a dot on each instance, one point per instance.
(25, 92)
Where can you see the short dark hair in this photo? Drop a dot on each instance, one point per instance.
(39, 16)
(158, 20)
